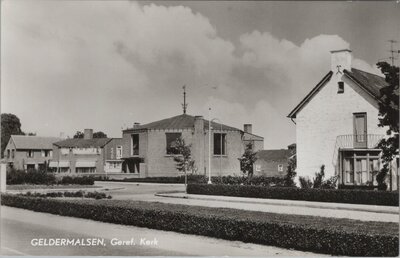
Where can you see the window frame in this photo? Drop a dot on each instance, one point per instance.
(223, 152)
(133, 152)
(168, 149)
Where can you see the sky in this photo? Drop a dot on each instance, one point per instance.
(70, 65)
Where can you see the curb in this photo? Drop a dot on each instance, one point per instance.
(266, 202)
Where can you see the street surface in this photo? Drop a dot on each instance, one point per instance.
(19, 227)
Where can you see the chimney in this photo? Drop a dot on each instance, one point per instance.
(88, 134)
(340, 60)
(136, 125)
(247, 128)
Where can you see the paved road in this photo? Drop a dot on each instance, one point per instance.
(19, 227)
(145, 192)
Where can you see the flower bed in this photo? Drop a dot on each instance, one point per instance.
(315, 195)
(309, 233)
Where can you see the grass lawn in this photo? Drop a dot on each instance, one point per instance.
(348, 225)
(34, 187)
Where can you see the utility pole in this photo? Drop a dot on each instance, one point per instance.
(184, 105)
(393, 51)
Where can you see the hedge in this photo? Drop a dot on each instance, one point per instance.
(37, 177)
(308, 233)
(77, 194)
(201, 179)
(288, 193)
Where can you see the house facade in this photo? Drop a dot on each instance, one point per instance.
(273, 163)
(148, 152)
(337, 125)
(29, 152)
(87, 156)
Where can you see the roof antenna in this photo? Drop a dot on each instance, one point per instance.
(392, 51)
(338, 69)
(184, 105)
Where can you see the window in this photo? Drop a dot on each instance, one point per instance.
(135, 144)
(171, 138)
(29, 153)
(280, 168)
(258, 167)
(112, 153)
(12, 153)
(46, 153)
(349, 170)
(119, 152)
(8, 154)
(340, 87)
(219, 144)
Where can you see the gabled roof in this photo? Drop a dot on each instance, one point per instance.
(273, 155)
(33, 142)
(372, 83)
(179, 122)
(369, 82)
(309, 96)
(83, 143)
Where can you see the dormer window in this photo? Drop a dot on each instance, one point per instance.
(340, 87)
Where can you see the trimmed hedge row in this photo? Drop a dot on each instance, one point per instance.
(323, 235)
(77, 194)
(201, 179)
(314, 195)
(37, 177)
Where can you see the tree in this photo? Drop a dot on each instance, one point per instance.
(183, 159)
(288, 180)
(388, 117)
(10, 125)
(78, 135)
(247, 161)
(98, 134)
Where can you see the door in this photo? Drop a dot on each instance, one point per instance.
(360, 130)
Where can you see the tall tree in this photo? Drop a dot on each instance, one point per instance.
(10, 125)
(388, 117)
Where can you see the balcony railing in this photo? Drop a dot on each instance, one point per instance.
(356, 141)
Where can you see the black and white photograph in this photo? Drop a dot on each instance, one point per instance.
(199, 128)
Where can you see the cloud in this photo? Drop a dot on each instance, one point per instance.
(107, 64)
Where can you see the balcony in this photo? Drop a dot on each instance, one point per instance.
(356, 141)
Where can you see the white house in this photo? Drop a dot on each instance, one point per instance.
(337, 125)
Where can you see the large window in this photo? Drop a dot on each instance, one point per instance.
(135, 144)
(171, 139)
(219, 144)
(360, 168)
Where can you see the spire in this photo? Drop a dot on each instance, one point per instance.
(184, 105)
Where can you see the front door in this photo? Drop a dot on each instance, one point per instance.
(360, 130)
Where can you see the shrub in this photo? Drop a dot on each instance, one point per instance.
(288, 193)
(77, 194)
(323, 235)
(30, 177)
(77, 180)
(201, 179)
